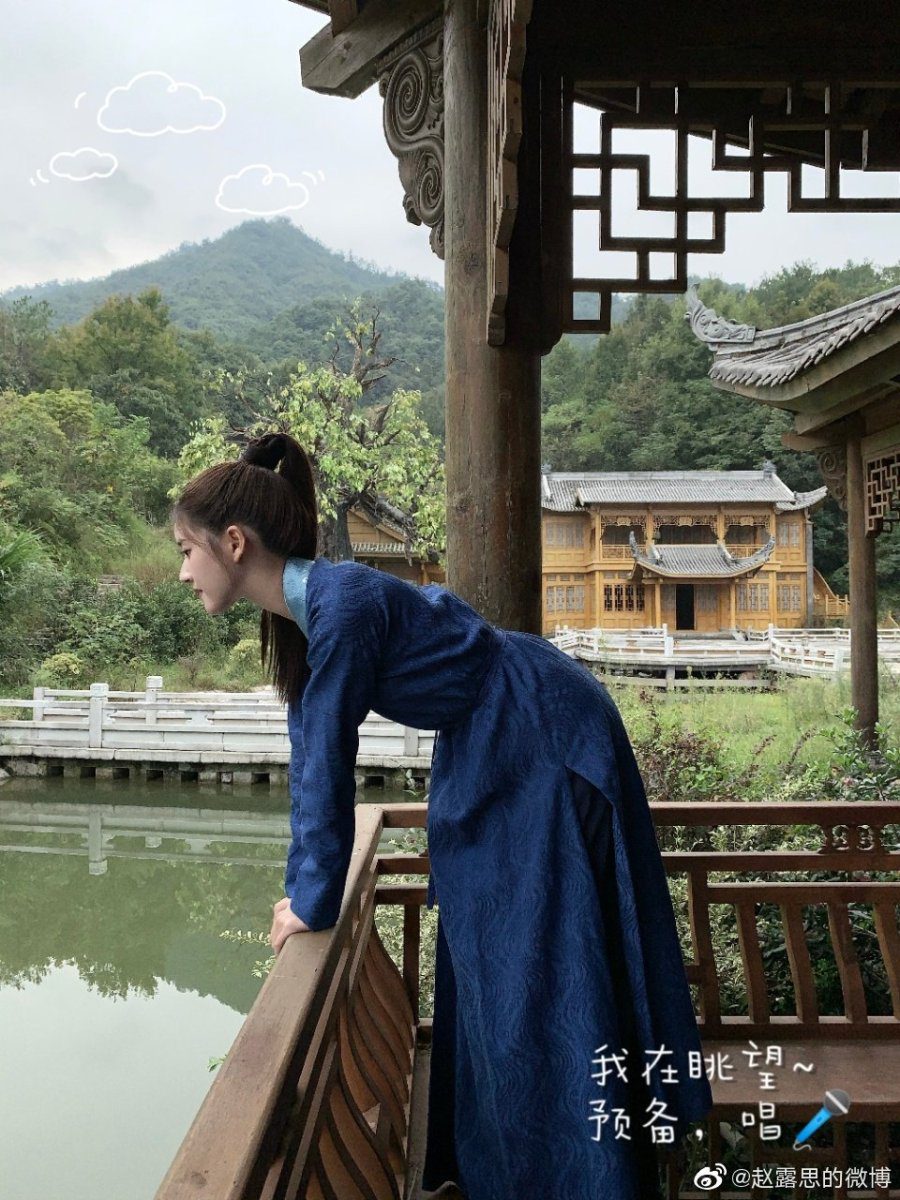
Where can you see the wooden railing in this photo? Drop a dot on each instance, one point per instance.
(832, 607)
(313, 1099)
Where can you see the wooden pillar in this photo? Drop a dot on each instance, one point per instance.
(771, 578)
(732, 603)
(598, 550)
(863, 601)
(493, 430)
(809, 607)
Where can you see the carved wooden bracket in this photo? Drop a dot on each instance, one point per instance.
(832, 462)
(411, 80)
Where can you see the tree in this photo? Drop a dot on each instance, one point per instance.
(382, 452)
(75, 473)
(24, 338)
(128, 354)
(17, 553)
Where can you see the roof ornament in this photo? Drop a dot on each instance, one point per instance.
(654, 554)
(708, 326)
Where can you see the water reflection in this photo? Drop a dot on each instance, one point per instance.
(115, 986)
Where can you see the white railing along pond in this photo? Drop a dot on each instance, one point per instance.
(245, 726)
(793, 651)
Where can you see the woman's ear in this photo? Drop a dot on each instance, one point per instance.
(235, 542)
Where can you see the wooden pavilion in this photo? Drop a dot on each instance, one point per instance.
(839, 374)
(321, 1094)
(480, 100)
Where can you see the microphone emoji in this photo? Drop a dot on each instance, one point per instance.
(837, 1104)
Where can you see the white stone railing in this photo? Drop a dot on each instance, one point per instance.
(250, 726)
(795, 651)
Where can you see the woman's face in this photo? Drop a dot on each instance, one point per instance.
(208, 576)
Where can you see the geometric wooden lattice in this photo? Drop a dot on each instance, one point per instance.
(673, 109)
(883, 492)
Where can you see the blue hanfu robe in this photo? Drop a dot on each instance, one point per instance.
(563, 1028)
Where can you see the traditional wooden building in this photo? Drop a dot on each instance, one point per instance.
(379, 538)
(694, 550)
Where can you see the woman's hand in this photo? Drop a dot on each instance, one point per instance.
(284, 923)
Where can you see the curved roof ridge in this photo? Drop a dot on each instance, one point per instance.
(773, 357)
(709, 561)
(826, 319)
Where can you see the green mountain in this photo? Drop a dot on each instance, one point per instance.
(234, 284)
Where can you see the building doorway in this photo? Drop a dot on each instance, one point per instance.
(684, 606)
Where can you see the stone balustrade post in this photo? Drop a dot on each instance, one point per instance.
(96, 706)
(152, 689)
(410, 741)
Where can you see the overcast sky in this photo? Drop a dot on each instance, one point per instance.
(98, 98)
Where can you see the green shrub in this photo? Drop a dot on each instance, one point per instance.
(62, 670)
(244, 658)
(173, 621)
(32, 620)
(105, 628)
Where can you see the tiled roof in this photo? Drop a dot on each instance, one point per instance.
(767, 358)
(698, 561)
(802, 500)
(564, 491)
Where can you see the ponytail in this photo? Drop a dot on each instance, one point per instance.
(271, 488)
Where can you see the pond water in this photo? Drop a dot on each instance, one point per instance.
(116, 987)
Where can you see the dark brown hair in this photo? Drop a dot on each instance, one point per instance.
(271, 489)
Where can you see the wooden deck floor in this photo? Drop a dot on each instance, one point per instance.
(418, 1125)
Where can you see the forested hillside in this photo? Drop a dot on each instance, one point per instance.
(95, 416)
(229, 285)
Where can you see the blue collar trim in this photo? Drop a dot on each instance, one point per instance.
(293, 586)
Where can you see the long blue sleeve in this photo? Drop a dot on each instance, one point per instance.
(295, 774)
(344, 654)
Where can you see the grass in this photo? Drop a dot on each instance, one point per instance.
(211, 673)
(800, 710)
(151, 558)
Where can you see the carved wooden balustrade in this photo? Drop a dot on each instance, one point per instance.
(314, 1097)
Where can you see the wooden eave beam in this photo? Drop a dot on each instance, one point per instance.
(884, 413)
(765, 41)
(811, 422)
(343, 63)
(343, 13)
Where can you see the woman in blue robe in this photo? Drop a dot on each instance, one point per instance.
(565, 1047)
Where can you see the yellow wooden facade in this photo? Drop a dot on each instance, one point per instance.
(378, 545)
(591, 578)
